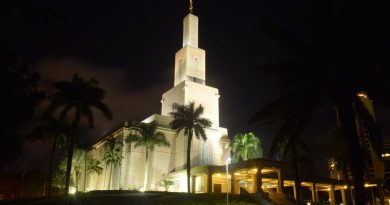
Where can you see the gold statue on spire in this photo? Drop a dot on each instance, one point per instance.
(191, 7)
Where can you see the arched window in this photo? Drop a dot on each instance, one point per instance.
(196, 67)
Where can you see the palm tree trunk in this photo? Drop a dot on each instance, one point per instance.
(347, 119)
(189, 161)
(146, 169)
(77, 180)
(109, 179)
(297, 175)
(69, 164)
(53, 150)
(85, 169)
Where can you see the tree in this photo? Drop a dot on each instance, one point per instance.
(94, 167)
(187, 119)
(166, 183)
(324, 71)
(20, 97)
(294, 151)
(146, 136)
(338, 151)
(113, 155)
(56, 131)
(246, 146)
(78, 97)
(77, 165)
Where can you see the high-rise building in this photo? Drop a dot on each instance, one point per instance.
(374, 166)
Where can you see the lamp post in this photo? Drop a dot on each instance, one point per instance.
(228, 159)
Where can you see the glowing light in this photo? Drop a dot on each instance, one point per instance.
(237, 174)
(308, 203)
(142, 189)
(72, 190)
(370, 185)
(386, 155)
(362, 95)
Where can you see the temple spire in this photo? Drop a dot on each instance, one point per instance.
(191, 7)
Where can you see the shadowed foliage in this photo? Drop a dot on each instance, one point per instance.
(75, 100)
(322, 69)
(20, 96)
(54, 131)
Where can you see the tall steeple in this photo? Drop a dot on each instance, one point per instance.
(190, 75)
(190, 60)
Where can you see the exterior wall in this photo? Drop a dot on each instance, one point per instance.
(189, 81)
(190, 62)
(188, 91)
(190, 30)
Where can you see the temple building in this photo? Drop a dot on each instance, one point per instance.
(210, 169)
(189, 86)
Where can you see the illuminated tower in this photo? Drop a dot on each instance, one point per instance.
(190, 76)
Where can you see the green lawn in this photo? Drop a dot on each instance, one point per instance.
(137, 198)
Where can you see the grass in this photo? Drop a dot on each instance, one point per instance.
(137, 198)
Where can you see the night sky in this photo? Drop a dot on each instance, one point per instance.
(129, 46)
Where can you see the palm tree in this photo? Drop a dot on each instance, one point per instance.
(20, 97)
(94, 166)
(323, 72)
(246, 146)
(78, 97)
(187, 118)
(146, 136)
(338, 151)
(294, 151)
(56, 131)
(77, 165)
(166, 183)
(113, 155)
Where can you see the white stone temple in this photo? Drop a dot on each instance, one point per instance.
(208, 158)
(189, 86)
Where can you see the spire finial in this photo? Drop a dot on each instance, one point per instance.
(191, 7)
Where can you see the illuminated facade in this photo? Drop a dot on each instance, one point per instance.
(208, 158)
(189, 86)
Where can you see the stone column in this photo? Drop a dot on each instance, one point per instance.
(343, 198)
(232, 183)
(295, 191)
(259, 180)
(313, 192)
(280, 181)
(193, 184)
(210, 182)
(331, 195)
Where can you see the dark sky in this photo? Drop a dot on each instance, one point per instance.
(129, 46)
